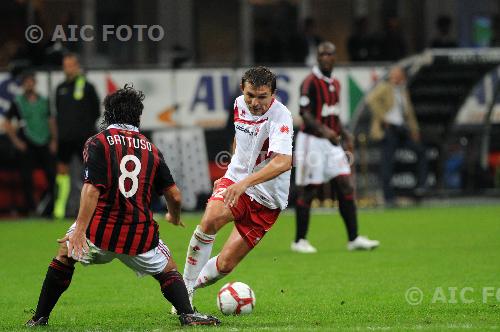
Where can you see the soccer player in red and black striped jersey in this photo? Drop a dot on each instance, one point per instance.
(122, 171)
(319, 156)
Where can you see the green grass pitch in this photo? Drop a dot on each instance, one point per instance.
(452, 254)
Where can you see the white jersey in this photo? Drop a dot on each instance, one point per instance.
(257, 138)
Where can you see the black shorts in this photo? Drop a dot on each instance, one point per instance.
(68, 148)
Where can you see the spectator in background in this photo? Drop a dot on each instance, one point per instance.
(392, 45)
(305, 43)
(443, 38)
(36, 141)
(268, 46)
(495, 39)
(395, 124)
(360, 44)
(77, 108)
(10, 87)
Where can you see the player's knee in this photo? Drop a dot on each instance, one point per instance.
(210, 221)
(62, 255)
(207, 226)
(345, 185)
(305, 196)
(167, 277)
(303, 201)
(171, 266)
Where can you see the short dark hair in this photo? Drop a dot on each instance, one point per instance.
(259, 76)
(71, 55)
(123, 106)
(27, 74)
(327, 44)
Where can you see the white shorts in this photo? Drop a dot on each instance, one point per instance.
(317, 160)
(149, 263)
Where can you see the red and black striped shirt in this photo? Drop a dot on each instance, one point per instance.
(126, 168)
(320, 96)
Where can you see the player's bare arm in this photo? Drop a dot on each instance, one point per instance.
(321, 129)
(77, 241)
(173, 197)
(53, 135)
(279, 164)
(346, 137)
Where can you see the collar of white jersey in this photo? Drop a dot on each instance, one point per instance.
(320, 75)
(123, 126)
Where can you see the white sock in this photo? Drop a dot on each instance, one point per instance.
(210, 274)
(198, 253)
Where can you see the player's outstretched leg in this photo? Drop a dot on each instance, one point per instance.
(174, 290)
(200, 247)
(57, 280)
(210, 274)
(234, 250)
(198, 253)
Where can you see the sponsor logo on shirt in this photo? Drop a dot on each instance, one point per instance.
(246, 130)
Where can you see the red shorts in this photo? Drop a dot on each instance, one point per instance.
(252, 219)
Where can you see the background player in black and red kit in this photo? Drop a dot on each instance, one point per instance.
(122, 168)
(319, 156)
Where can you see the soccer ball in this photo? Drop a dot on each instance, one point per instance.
(236, 298)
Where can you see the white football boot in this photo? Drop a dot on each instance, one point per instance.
(362, 243)
(303, 247)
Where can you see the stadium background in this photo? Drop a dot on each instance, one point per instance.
(191, 76)
(448, 246)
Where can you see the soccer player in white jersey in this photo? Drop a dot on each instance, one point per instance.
(255, 187)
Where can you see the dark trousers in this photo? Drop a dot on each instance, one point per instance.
(38, 156)
(399, 137)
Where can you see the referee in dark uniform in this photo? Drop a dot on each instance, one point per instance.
(77, 110)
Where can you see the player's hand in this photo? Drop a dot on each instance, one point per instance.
(53, 146)
(349, 145)
(331, 135)
(20, 145)
(415, 136)
(233, 193)
(216, 183)
(64, 239)
(77, 245)
(174, 221)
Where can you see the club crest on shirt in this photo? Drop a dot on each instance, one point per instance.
(304, 101)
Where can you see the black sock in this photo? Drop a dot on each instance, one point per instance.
(174, 290)
(347, 209)
(302, 214)
(56, 281)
